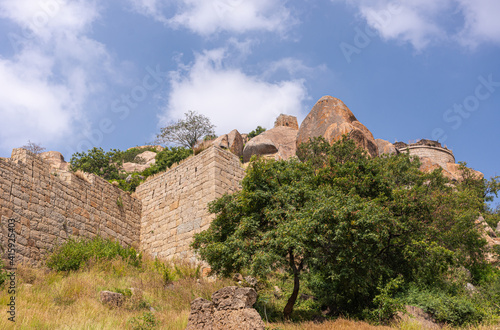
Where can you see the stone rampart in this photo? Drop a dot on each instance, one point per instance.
(174, 204)
(439, 155)
(50, 205)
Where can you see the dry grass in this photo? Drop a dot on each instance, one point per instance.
(58, 300)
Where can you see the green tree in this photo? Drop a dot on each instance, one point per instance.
(256, 132)
(96, 161)
(186, 132)
(348, 223)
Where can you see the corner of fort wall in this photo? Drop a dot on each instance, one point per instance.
(50, 205)
(174, 204)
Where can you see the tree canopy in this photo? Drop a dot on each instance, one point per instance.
(348, 223)
(186, 132)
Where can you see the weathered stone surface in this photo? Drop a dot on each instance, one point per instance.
(331, 118)
(287, 121)
(134, 167)
(201, 314)
(279, 141)
(232, 141)
(55, 159)
(244, 319)
(50, 206)
(222, 142)
(235, 142)
(245, 138)
(174, 203)
(147, 157)
(231, 308)
(112, 298)
(385, 147)
(233, 297)
(456, 173)
(417, 315)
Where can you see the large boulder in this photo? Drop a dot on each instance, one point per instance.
(280, 142)
(385, 147)
(230, 308)
(331, 118)
(134, 167)
(232, 141)
(55, 159)
(147, 157)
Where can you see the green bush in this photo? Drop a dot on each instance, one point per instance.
(75, 253)
(146, 321)
(457, 310)
(96, 161)
(256, 132)
(166, 158)
(3, 273)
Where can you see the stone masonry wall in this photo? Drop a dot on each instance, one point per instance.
(439, 155)
(174, 204)
(51, 205)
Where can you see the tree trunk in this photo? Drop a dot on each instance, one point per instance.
(296, 285)
(291, 301)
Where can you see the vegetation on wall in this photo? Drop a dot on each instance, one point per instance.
(107, 164)
(362, 234)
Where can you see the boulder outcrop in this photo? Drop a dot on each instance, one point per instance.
(279, 142)
(331, 118)
(147, 157)
(385, 147)
(232, 141)
(55, 159)
(230, 308)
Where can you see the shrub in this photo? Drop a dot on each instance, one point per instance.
(459, 309)
(3, 273)
(146, 321)
(256, 132)
(129, 156)
(75, 253)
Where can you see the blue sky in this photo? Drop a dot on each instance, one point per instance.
(78, 74)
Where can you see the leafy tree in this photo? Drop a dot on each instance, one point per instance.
(256, 132)
(186, 132)
(96, 161)
(166, 158)
(33, 147)
(346, 222)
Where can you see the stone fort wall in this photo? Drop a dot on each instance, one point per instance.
(174, 204)
(49, 206)
(430, 149)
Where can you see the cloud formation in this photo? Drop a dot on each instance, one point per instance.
(425, 22)
(54, 69)
(206, 17)
(228, 96)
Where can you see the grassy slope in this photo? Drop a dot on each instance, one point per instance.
(59, 300)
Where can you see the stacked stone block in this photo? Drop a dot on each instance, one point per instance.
(51, 205)
(174, 204)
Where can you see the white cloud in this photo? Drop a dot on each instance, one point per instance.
(55, 68)
(425, 22)
(481, 22)
(228, 96)
(206, 17)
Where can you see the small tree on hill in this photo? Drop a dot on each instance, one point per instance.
(256, 132)
(186, 132)
(33, 147)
